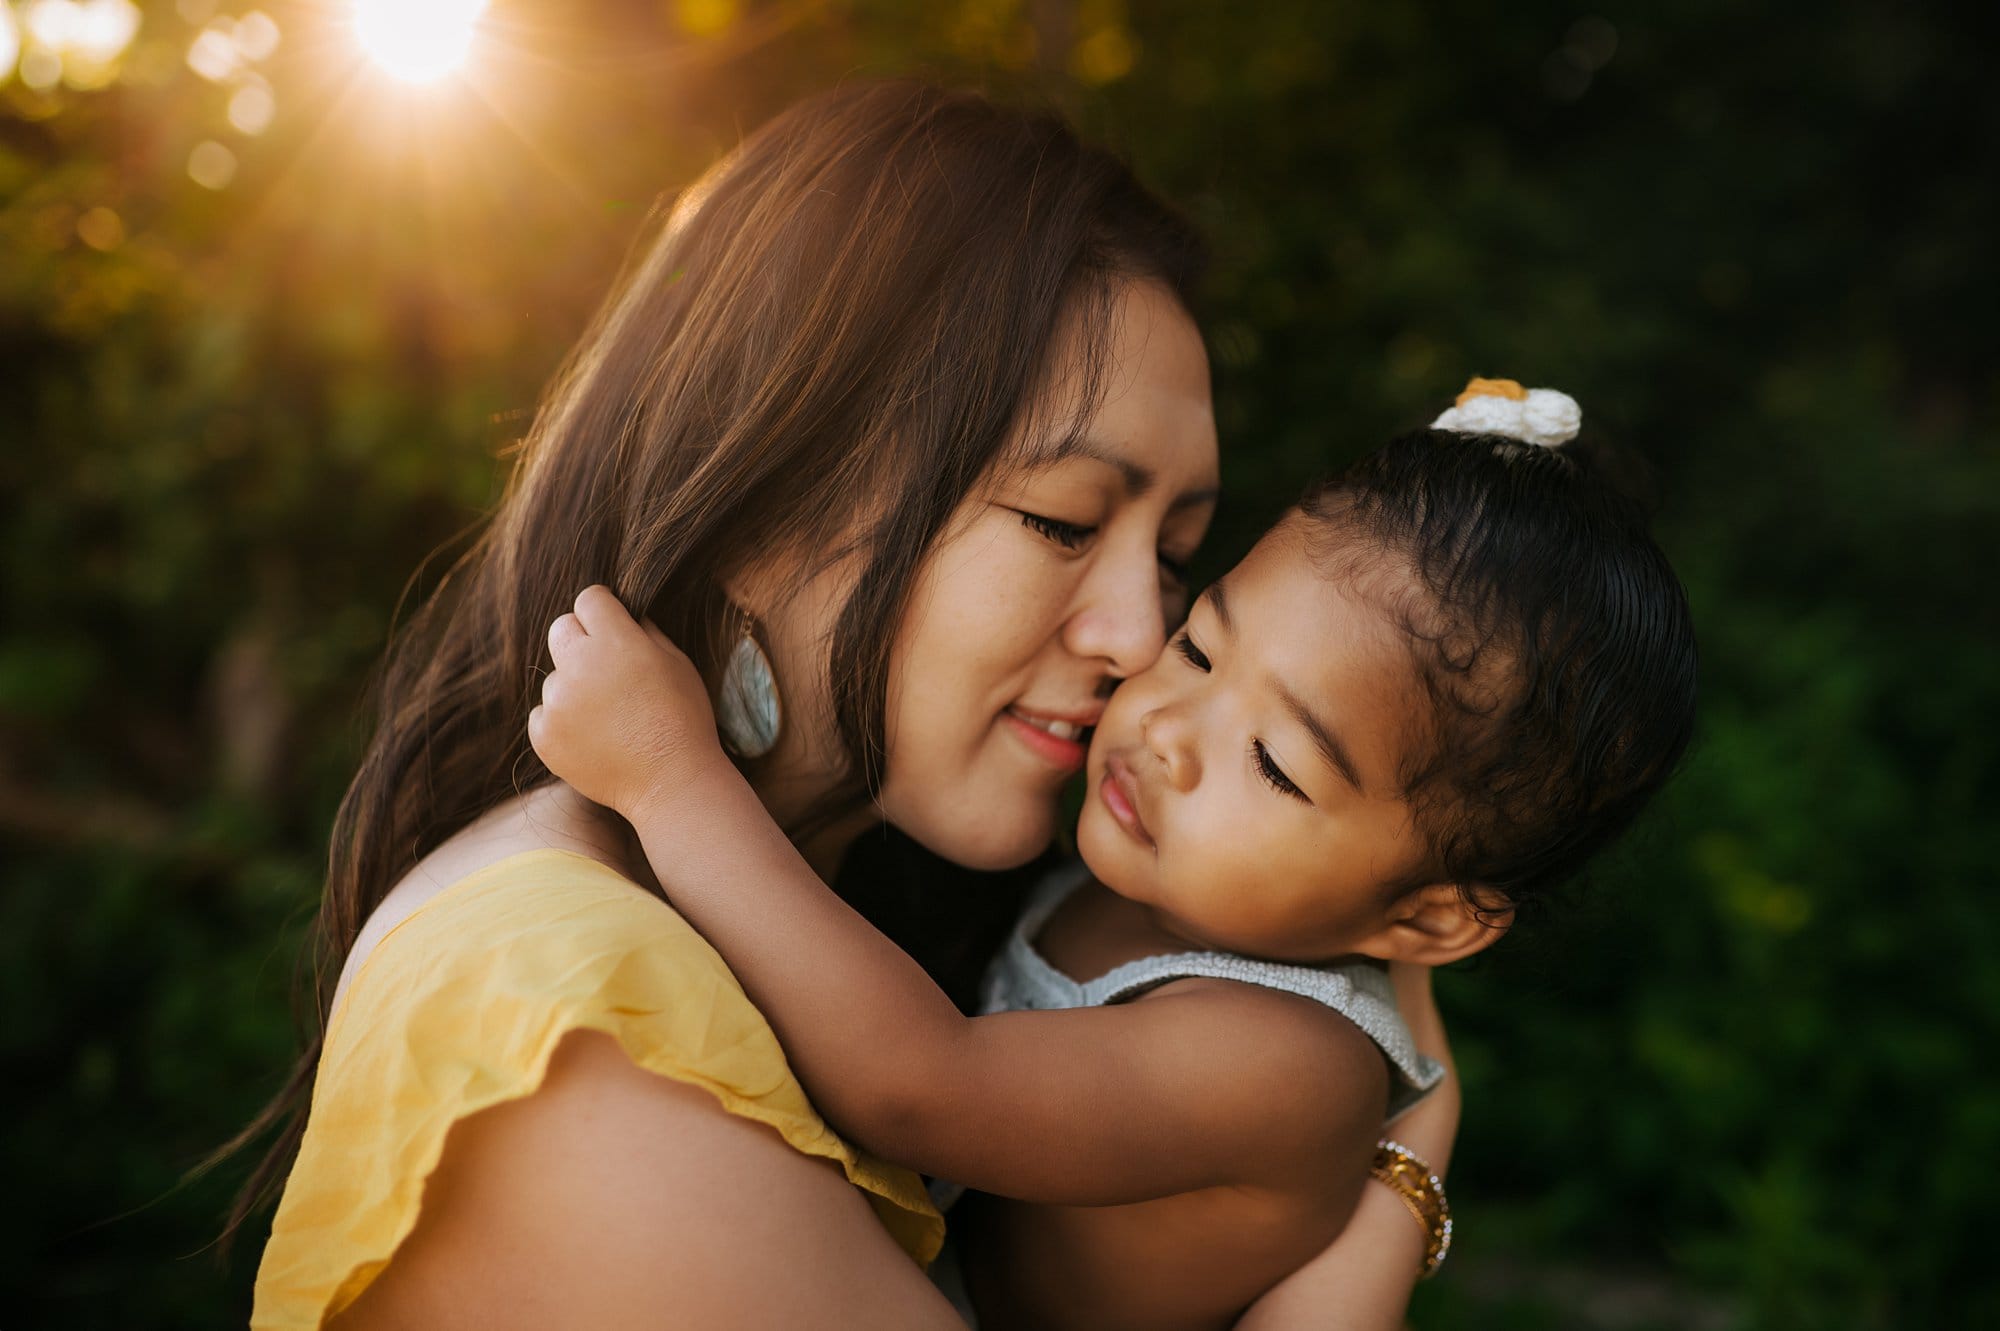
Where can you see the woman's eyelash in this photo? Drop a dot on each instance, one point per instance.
(1267, 769)
(1068, 535)
(1194, 655)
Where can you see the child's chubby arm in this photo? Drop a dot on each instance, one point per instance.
(1362, 1282)
(1201, 1084)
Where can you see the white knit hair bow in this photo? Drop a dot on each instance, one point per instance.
(1501, 406)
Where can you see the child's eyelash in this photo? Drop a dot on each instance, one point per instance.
(1260, 757)
(1276, 779)
(1194, 655)
(1068, 535)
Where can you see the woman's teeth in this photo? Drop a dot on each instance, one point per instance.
(1060, 729)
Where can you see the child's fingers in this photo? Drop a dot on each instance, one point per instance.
(543, 737)
(599, 609)
(563, 634)
(553, 687)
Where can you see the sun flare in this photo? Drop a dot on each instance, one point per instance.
(417, 41)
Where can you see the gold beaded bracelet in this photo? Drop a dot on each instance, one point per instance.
(1420, 1190)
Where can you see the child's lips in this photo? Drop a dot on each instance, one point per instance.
(1119, 791)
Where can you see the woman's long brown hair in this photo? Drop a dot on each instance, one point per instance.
(832, 332)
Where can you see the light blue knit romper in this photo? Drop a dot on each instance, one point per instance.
(1021, 980)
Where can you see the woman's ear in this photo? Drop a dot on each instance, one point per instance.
(1437, 925)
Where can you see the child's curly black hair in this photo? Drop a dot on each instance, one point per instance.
(1551, 635)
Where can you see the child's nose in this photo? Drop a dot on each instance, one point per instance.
(1170, 735)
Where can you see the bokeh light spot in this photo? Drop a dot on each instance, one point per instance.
(101, 229)
(256, 35)
(213, 53)
(102, 30)
(1591, 42)
(10, 43)
(252, 106)
(75, 41)
(1105, 56)
(41, 69)
(211, 165)
(51, 22)
(418, 41)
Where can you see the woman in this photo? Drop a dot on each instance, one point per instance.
(905, 401)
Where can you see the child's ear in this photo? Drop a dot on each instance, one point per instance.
(1437, 925)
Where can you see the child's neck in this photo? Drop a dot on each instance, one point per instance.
(1095, 930)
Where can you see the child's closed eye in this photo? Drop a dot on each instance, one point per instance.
(1274, 776)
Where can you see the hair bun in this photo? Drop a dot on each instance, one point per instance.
(1501, 406)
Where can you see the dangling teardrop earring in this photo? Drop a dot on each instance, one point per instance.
(748, 713)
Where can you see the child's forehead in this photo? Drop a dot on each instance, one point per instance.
(1320, 655)
(1343, 548)
(1322, 564)
(1324, 619)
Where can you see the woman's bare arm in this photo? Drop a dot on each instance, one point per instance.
(1362, 1282)
(613, 1198)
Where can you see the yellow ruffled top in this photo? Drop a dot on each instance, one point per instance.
(459, 1008)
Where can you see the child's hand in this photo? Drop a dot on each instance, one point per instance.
(624, 713)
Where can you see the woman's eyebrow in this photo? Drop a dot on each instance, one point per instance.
(1138, 477)
(1208, 494)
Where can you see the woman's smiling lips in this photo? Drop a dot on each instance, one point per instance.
(1056, 738)
(1120, 792)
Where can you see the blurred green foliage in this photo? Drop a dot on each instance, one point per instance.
(1737, 1083)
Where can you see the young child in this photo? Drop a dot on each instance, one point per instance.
(1436, 687)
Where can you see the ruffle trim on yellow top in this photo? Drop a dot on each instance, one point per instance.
(460, 1007)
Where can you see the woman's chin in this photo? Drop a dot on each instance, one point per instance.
(987, 844)
(995, 855)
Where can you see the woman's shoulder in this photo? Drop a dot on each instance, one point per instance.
(524, 912)
(474, 987)
(461, 1007)
(532, 899)
(535, 847)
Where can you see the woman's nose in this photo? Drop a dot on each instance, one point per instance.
(1169, 734)
(1120, 619)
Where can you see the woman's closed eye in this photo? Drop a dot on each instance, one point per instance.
(1068, 535)
(1072, 535)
